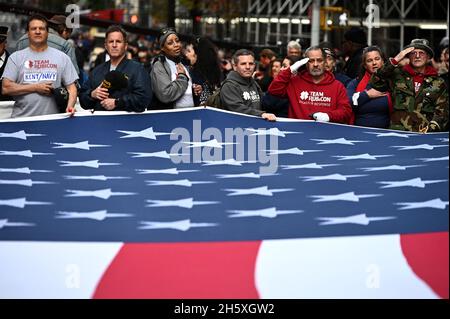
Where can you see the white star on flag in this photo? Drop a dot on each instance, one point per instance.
(365, 156)
(147, 133)
(415, 182)
(182, 225)
(22, 135)
(168, 171)
(244, 175)
(389, 168)
(95, 177)
(5, 223)
(230, 161)
(272, 131)
(23, 170)
(160, 154)
(436, 203)
(263, 191)
(360, 219)
(90, 164)
(341, 141)
(23, 182)
(95, 215)
(308, 166)
(332, 177)
(418, 147)
(271, 212)
(80, 145)
(291, 151)
(182, 203)
(101, 193)
(434, 159)
(348, 197)
(211, 143)
(181, 182)
(21, 202)
(26, 153)
(391, 134)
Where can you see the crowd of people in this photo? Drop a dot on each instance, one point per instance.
(409, 92)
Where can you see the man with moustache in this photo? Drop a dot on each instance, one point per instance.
(313, 93)
(420, 96)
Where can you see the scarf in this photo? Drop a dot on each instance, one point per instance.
(363, 84)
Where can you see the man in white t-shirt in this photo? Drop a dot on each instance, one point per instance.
(32, 74)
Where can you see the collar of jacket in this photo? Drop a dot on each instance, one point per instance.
(429, 71)
(121, 64)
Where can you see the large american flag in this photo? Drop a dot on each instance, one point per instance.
(163, 205)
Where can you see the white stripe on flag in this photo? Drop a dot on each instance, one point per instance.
(337, 267)
(53, 270)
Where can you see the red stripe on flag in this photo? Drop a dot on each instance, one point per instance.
(182, 270)
(427, 255)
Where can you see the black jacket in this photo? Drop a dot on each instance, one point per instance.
(4, 97)
(352, 67)
(135, 98)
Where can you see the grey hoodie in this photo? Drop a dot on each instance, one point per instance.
(241, 95)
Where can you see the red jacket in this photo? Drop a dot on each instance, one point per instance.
(305, 97)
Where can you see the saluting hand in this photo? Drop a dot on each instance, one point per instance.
(403, 54)
(297, 65)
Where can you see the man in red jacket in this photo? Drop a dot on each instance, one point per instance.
(313, 92)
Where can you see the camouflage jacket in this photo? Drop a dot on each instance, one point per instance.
(412, 112)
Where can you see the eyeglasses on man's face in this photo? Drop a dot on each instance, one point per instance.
(312, 61)
(418, 53)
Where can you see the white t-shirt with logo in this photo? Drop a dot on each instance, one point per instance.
(187, 99)
(30, 67)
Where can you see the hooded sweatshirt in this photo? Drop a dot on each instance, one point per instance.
(418, 78)
(242, 95)
(306, 97)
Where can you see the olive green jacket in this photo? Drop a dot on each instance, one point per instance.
(413, 112)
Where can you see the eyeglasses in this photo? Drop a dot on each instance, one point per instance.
(312, 61)
(419, 53)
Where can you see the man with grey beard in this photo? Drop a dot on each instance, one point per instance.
(313, 92)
